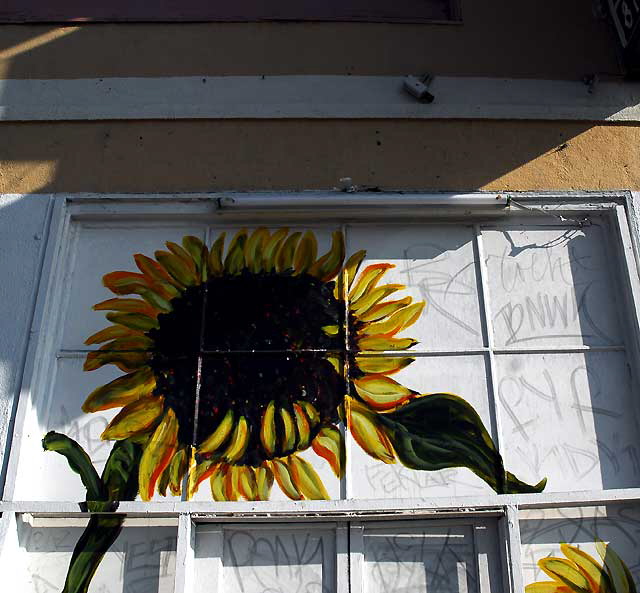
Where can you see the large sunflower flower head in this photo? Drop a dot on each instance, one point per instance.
(238, 357)
(580, 572)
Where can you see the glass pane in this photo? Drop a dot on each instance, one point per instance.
(142, 559)
(380, 471)
(571, 418)
(439, 558)
(607, 534)
(551, 287)
(257, 559)
(431, 264)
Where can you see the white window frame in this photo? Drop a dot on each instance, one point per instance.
(346, 515)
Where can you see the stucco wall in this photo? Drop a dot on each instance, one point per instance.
(156, 156)
(497, 38)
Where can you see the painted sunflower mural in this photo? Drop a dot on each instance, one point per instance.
(580, 572)
(238, 357)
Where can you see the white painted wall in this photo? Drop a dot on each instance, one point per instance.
(23, 229)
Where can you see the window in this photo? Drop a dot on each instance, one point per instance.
(529, 320)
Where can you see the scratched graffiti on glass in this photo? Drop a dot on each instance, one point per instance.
(240, 356)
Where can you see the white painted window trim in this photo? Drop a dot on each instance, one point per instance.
(313, 97)
(616, 207)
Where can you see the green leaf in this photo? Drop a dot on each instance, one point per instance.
(440, 431)
(78, 461)
(120, 474)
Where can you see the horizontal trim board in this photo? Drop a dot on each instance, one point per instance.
(315, 97)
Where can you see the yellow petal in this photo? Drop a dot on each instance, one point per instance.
(305, 253)
(268, 429)
(155, 300)
(125, 282)
(383, 310)
(136, 321)
(156, 273)
(127, 306)
(264, 482)
(200, 472)
(329, 445)
(283, 477)
(217, 481)
(219, 435)
(566, 573)
(306, 479)
(381, 392)
(157, 454)
(328, 266)
(239, 441)
(247, 483)
(234, 262)
(177, 470)
(271, 249)
(310, 411)
(112, 332)
(289, 430)
(546, 587)
(384, 365)
(397, 322)
(303, 425)
(384, 343)
(163, 482)
(126, 361)
(372, 297)
(368, 433)
(121, 391)
(589, 566)
(140, 416)
(351, 268)
(182, 253)
(284, 259)
(214, 261)
(180, 270)
(253, 249)
(336, 363)
(198, 252)
(368, 279)
(616, 568)
(231, 488)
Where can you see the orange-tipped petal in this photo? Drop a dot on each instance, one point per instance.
(303, 426)
(351, 267)
(589, 566)
(382, 365)
(125, 282)
(239, 441)
(329, 445)
(397, 322)
(283, 477)
(284, 258)
(121, 391)
(136, 418)
(380, 392)
(368, 433)
(156, 273)
(264, 482)
(253, 249)
(383, 310)
(547, 587)
(367, 280)
(288, 430)
(310, 411)
(231, 486)
(177, 470)
(328, 266)
(126, 361)
(182, 272)
(136, 321)
(271, 248)
(566, 573)
(200, 472)
(219, 436)
(217, 482)
(306, 253)
(113, 332)
(268, 429)
(214, 260)
(127, 306)
(384, 343)
(306, 479)
(372, 297)
(157, 454)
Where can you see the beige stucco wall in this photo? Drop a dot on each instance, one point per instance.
(497, 38)
(158, 156)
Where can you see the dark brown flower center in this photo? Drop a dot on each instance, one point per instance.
(239, 342)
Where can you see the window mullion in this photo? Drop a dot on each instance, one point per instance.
(185, 555)
(356, 558)
(511, 551)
